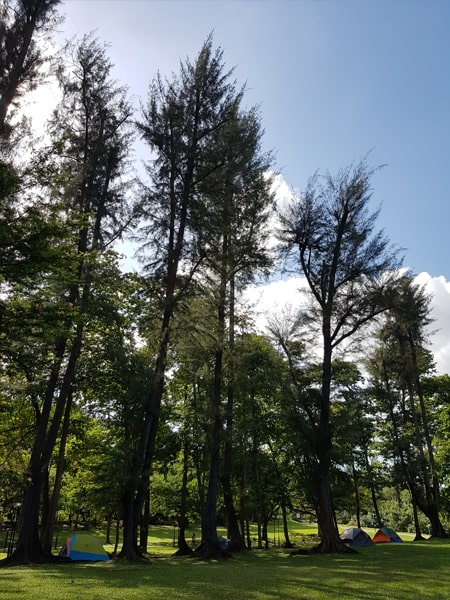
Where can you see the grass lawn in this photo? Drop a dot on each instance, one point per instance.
(407, 571)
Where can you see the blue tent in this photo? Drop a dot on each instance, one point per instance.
(354, 537)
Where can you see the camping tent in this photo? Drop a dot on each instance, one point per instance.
(84, 547)
(354, 537)
(385, 535)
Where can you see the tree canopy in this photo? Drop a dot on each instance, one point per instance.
(157, 386)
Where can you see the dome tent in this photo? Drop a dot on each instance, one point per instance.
(84, 547)
(354, 537)
(386, 535)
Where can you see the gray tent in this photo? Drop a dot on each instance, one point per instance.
(354, 537)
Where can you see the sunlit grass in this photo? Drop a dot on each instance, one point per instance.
(402, 571)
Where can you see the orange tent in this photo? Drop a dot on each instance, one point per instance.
(386, 535)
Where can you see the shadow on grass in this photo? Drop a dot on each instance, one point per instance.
(401, 571)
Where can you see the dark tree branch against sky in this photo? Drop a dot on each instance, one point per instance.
(334, 80)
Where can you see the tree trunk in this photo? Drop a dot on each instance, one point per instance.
(142, 460)
(183, 547)
(265, 533)
(248, 535)
(108, 528)
(143, 526)
(357, 501)
(210, 547)
(45, 505)
(373, 495)
(330, 541)
(418, 535)
(287, 541)
(53, 505)
(430, 506)
(237, 542)
(130, 549)
(29, 549)
(431, 512)
(47, 432)
(259, 530)
(438, 527)
(117, 537)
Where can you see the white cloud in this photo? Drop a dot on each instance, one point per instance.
(285, 295)
(40, 103)
(439, 289)
(274, 298)
(282, 190)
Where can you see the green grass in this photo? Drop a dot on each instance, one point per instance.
(399, 571)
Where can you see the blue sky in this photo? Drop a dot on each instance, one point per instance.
(334, 79)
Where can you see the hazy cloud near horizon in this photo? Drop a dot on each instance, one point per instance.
(439, 289)
(285, 295)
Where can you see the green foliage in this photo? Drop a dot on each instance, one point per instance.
(398, 366)
(22, 26)
(9, 180)
(396, 511)
(205, 217)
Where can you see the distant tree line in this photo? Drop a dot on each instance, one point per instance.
(128, 397)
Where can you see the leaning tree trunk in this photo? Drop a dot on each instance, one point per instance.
(29, 548)
(135, 495)
(432, 514)
(53, 504)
